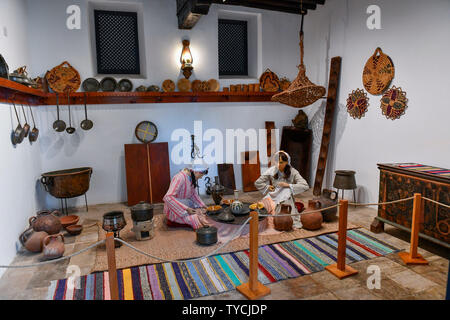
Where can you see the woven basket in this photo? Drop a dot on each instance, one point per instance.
(63, 78)
(378, 72)
(394, 103)
(302, 92)
(357, 103)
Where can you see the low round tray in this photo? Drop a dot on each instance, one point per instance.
(239, 219)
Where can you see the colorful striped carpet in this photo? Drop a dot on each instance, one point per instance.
(223, 272)
(425, 169)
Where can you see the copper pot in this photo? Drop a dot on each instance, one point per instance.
(67, 183)
(313, 220)
(284, 223)
(53, 246)
(46, 221)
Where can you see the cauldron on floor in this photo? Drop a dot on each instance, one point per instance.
(65, 184)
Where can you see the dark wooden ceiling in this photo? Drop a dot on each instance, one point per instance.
(190, 11)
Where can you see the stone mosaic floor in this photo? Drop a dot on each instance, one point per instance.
(398, 281)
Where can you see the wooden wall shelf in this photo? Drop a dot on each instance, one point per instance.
(23, 94)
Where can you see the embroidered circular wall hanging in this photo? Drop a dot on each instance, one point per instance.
(357, 103)
(378, 72)
(393, 103)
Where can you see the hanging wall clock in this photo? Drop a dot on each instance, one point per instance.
(357, 103)
(393, 103)
(378, 72)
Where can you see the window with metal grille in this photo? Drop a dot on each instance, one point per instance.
(233, 48)
(117, 42)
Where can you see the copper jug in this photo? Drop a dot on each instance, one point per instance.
(53, 246)
(32, 240)
(284, 223)
(46, 221)
(312, 220)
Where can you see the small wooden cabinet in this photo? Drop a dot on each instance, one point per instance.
(148, 172)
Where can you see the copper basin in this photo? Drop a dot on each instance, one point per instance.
(69, 183)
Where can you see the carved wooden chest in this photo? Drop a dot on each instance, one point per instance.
(402, 180)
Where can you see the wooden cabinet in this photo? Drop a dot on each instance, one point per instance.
(148, 172)
(297, 143)
(399, 181)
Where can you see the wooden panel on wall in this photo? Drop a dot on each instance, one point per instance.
(226, 177)
(159, 170)
(297, 143)
(250, 172)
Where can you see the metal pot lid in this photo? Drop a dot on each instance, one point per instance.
(206, 230)
(141, 206)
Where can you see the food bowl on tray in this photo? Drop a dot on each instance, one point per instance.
(255, 206)
(74, 229)
(213, 209)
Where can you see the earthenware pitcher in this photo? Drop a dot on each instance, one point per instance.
(46, 221)
(32, 240)
(312, 220)
(284, 223)
(53, 246)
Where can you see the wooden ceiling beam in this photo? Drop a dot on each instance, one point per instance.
(269, 5)
(190, 11)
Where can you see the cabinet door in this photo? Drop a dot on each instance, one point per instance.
(136, 165)
(159, 171)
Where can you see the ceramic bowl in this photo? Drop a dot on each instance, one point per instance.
(74, 229)
(69, 220)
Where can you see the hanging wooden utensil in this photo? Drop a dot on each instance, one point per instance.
(64, 78)
(378, 72)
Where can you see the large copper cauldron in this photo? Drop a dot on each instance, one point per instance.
(69, 183)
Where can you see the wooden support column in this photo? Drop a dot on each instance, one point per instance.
(253, 289)
(340, 269)
(112, 270)
(412, 257)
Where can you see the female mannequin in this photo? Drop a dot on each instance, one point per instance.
(280, 183)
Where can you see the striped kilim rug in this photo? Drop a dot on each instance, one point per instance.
(223, 272)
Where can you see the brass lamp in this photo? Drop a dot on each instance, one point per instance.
(186, 60)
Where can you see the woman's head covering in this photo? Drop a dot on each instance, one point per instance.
(201, 167)
(277, 154)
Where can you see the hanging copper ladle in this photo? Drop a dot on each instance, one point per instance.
(58, 125)
(70, 129)
(35, 131)
(86, 124)
(26, 126)
(19, 134)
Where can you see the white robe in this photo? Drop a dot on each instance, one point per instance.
(297, 185)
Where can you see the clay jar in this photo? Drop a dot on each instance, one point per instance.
(313, 220)
(46, 221)
(53, 246)
(284, 223)
(32, 240)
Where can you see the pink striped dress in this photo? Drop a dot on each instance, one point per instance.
(180, 196)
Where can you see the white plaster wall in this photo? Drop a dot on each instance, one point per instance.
(20, 165)
(415, 34)
(102, 147)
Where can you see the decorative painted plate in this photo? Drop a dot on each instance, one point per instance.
(213, 85)
(64, 78)
(168, 86)
(146, 132)
(91, 85)
(125, 85)
(357, 103)
(108, 84)
(394, 103)
(205, 86)
(378, 72)
(184, 85)
(196, 86)
(269, 81)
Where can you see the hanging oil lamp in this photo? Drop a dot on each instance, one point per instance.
(186, 60)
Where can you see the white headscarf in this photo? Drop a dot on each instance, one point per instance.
(275, 159)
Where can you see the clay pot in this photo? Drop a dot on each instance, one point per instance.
(32, 240)
(53, 246)
(312, 221)
(46, 221)
(284, 223)
(327, 199)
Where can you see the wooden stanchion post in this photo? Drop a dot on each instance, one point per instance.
(253, 289)
(340, 269)
(112, 270)
(412, 257)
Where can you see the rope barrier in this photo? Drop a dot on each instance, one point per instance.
(56, 260)
(235, 235)
(439, 203)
